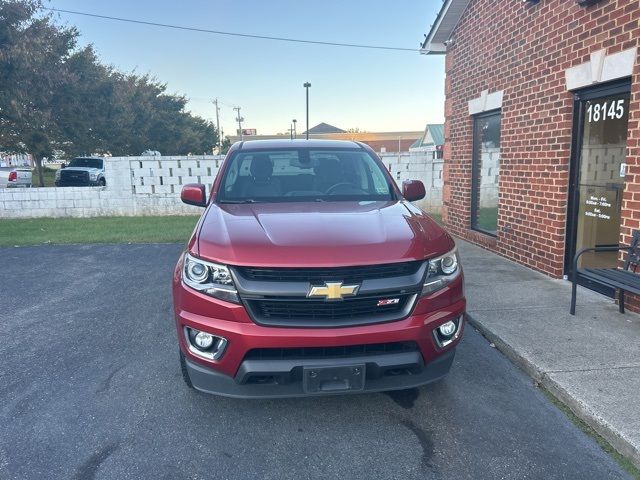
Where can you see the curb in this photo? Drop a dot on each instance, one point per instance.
(581, 410)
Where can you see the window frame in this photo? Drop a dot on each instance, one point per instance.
(475, 180)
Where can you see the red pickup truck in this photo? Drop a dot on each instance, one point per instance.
(311, 273)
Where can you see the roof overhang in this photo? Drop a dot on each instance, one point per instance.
(442, 29)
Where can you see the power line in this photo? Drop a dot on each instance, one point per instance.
(233, 34)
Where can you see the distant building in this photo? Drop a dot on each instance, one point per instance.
(324, 128)
(381, 142)
(432, 141)
(16, 160)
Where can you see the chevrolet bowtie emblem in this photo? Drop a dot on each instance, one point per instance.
(333, 291)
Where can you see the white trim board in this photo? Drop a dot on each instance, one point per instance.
(485, 102)
(601, 68)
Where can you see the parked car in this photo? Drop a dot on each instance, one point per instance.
(15, 177)
(310, 272)
(82, 172)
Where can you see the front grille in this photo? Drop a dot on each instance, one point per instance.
(300, 311)
(344, 274)
(348, 351)
(74, 178)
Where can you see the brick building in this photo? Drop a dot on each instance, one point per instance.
(542, 130)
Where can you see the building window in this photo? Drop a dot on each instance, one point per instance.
(486, 172)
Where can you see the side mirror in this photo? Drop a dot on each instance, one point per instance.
(194, 194)
(413, 190)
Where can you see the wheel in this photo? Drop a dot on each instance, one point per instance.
(102, 182)
(185, 374)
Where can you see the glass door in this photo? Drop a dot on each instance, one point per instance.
(598, 174)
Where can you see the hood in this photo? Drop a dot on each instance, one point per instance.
(318, 234)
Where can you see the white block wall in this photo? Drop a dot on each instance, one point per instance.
(418, 166)
(135, 186)
(151, 186)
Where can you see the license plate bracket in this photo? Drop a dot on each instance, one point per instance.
(333, 379)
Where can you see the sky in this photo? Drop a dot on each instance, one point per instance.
(372, 90)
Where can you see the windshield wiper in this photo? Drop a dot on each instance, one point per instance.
(248, 200)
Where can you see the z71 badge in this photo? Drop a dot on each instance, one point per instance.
(388, 301)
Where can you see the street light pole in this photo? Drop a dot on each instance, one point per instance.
(240, 120)
(307, 85)
(295, 133)
(215, 102)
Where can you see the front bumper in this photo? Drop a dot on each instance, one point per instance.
(383, 372)
(59, 183)
(230, 375)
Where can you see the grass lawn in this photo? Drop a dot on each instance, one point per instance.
(35, 231)
(38, 231)
(49, 175)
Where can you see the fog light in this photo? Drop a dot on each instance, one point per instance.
(204, 340)
(448, 332)
(205, 345)
(447, 329)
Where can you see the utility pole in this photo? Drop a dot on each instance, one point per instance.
(307, 85)
(291, 131)
(215, 102)
(239, 119)
(295, 134)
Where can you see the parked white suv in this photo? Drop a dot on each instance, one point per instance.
(82, 172)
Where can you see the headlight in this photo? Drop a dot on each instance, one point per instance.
(93, 176)
(209, 278)
(441, 271)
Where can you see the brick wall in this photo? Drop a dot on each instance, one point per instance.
(524, 50)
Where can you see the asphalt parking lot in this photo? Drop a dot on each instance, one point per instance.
(90, 387)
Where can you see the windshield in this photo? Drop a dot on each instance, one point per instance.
(303, 175)
(86, 162)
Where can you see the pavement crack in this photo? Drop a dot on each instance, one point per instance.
(425, 442)
(88, 470)
(104, 386)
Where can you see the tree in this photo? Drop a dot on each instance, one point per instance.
(54, 96)
(226, 145)
(31, 50)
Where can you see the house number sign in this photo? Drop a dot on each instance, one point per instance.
(613, 110)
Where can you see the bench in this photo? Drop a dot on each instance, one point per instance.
(622, 279)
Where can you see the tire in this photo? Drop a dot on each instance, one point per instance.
(102, 182)
(185, 374)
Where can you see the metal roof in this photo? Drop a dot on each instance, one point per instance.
(437, 133)
(324, 128)
(442, 28)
